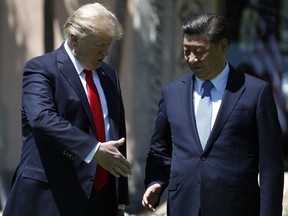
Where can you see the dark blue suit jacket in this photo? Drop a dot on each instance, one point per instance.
(58, 134)
(222, 180)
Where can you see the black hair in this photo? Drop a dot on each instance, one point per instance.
(214, 26)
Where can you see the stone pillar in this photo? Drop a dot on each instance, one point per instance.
(148, 62)
(20, 39)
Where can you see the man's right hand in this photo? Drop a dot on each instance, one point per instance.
(110, 158)
(151, 197)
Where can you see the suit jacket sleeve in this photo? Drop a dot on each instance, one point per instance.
(270, 155)
(159, 157)
(41, 104)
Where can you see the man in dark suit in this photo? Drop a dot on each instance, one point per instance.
(217, 176)
(61, 140)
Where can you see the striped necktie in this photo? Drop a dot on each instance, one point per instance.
(204, 113)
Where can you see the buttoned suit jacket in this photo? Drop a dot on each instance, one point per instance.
(222, 179)
(58, 134)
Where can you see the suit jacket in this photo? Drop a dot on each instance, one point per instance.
(222, 179)
(58, 134)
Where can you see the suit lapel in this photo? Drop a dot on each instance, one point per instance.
(109, 89)
(233, 91)
(186, 95)
(66, 67)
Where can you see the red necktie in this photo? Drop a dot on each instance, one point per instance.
(95, 104)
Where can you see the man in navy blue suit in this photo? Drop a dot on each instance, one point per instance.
(219, 176)
(61, 144)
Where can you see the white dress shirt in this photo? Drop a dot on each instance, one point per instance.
(217, 92)
(79, 68)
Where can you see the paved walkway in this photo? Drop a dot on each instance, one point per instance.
(285, 195)
(162, 209)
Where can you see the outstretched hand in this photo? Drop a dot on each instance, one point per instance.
(110, 158)
(151, 197)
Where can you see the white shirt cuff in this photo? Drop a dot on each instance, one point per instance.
(90, 156)
(121, 207)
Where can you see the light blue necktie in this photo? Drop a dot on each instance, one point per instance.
(204, 113)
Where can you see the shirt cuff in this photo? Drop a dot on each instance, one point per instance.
(121, 207)
(90, 156)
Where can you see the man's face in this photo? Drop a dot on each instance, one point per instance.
(205, 59)
(90, 51)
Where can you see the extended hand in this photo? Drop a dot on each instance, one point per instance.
(151, 196)
(110, 158)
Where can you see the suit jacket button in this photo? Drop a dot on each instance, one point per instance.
(203, 158)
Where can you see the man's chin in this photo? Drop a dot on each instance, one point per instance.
(94, 67)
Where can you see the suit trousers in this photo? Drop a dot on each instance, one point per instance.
(103, 202)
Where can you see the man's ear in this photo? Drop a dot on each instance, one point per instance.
(224, 44)
(74, 40)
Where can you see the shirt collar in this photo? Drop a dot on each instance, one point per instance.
(219, 81)
(79, 68)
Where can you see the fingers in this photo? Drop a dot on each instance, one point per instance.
(119, 142)
(146, 203)
(115, 143)
(114, 173)
(122, 167)
(109, 157)
(151, 196)
(117, 171)
(125, 166)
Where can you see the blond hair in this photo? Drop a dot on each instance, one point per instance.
(93, 19)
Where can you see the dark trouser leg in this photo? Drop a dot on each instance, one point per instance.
(103, 202)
